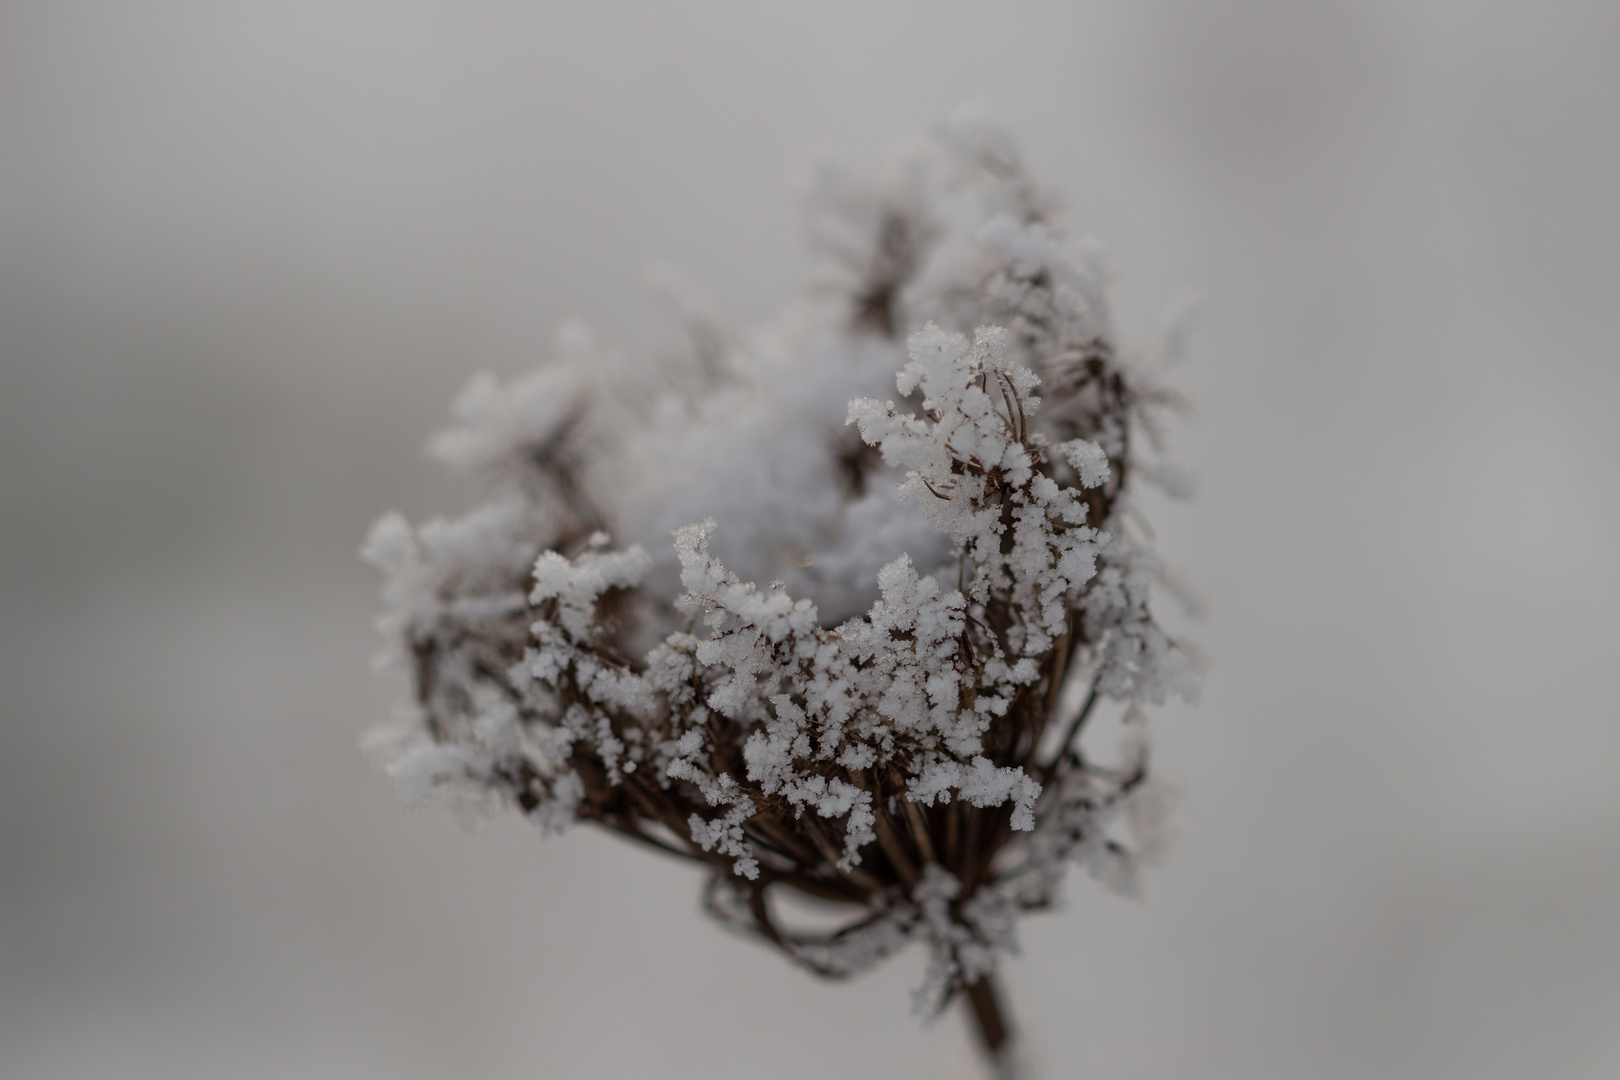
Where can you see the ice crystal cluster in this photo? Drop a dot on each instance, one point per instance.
(824, 606)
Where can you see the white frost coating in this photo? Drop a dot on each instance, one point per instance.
(908, 570)
(496, 422)
(971, 466)
(1088, 460)
(577, 585)
(426, 767)
(725, 835)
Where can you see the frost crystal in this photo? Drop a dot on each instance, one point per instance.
(862, 673)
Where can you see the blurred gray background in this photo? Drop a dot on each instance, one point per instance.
(249, 250)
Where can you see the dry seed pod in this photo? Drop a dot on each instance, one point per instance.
(927, 464)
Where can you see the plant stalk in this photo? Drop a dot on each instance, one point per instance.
(990, 1024)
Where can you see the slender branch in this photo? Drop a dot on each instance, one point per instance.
(854, 873)
(1061, 652)
(631, 832)
(970, 847)
(1073, 733)
(889, 841)
(919, 830)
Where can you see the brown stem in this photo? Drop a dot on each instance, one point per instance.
(1074, 730)
(919, 830)
(990, 1023)
(889, 840)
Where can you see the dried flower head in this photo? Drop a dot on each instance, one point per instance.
(861, 673)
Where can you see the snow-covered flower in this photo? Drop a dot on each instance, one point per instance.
(901, 579)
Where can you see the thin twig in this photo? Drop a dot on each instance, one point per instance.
(1074, 731)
